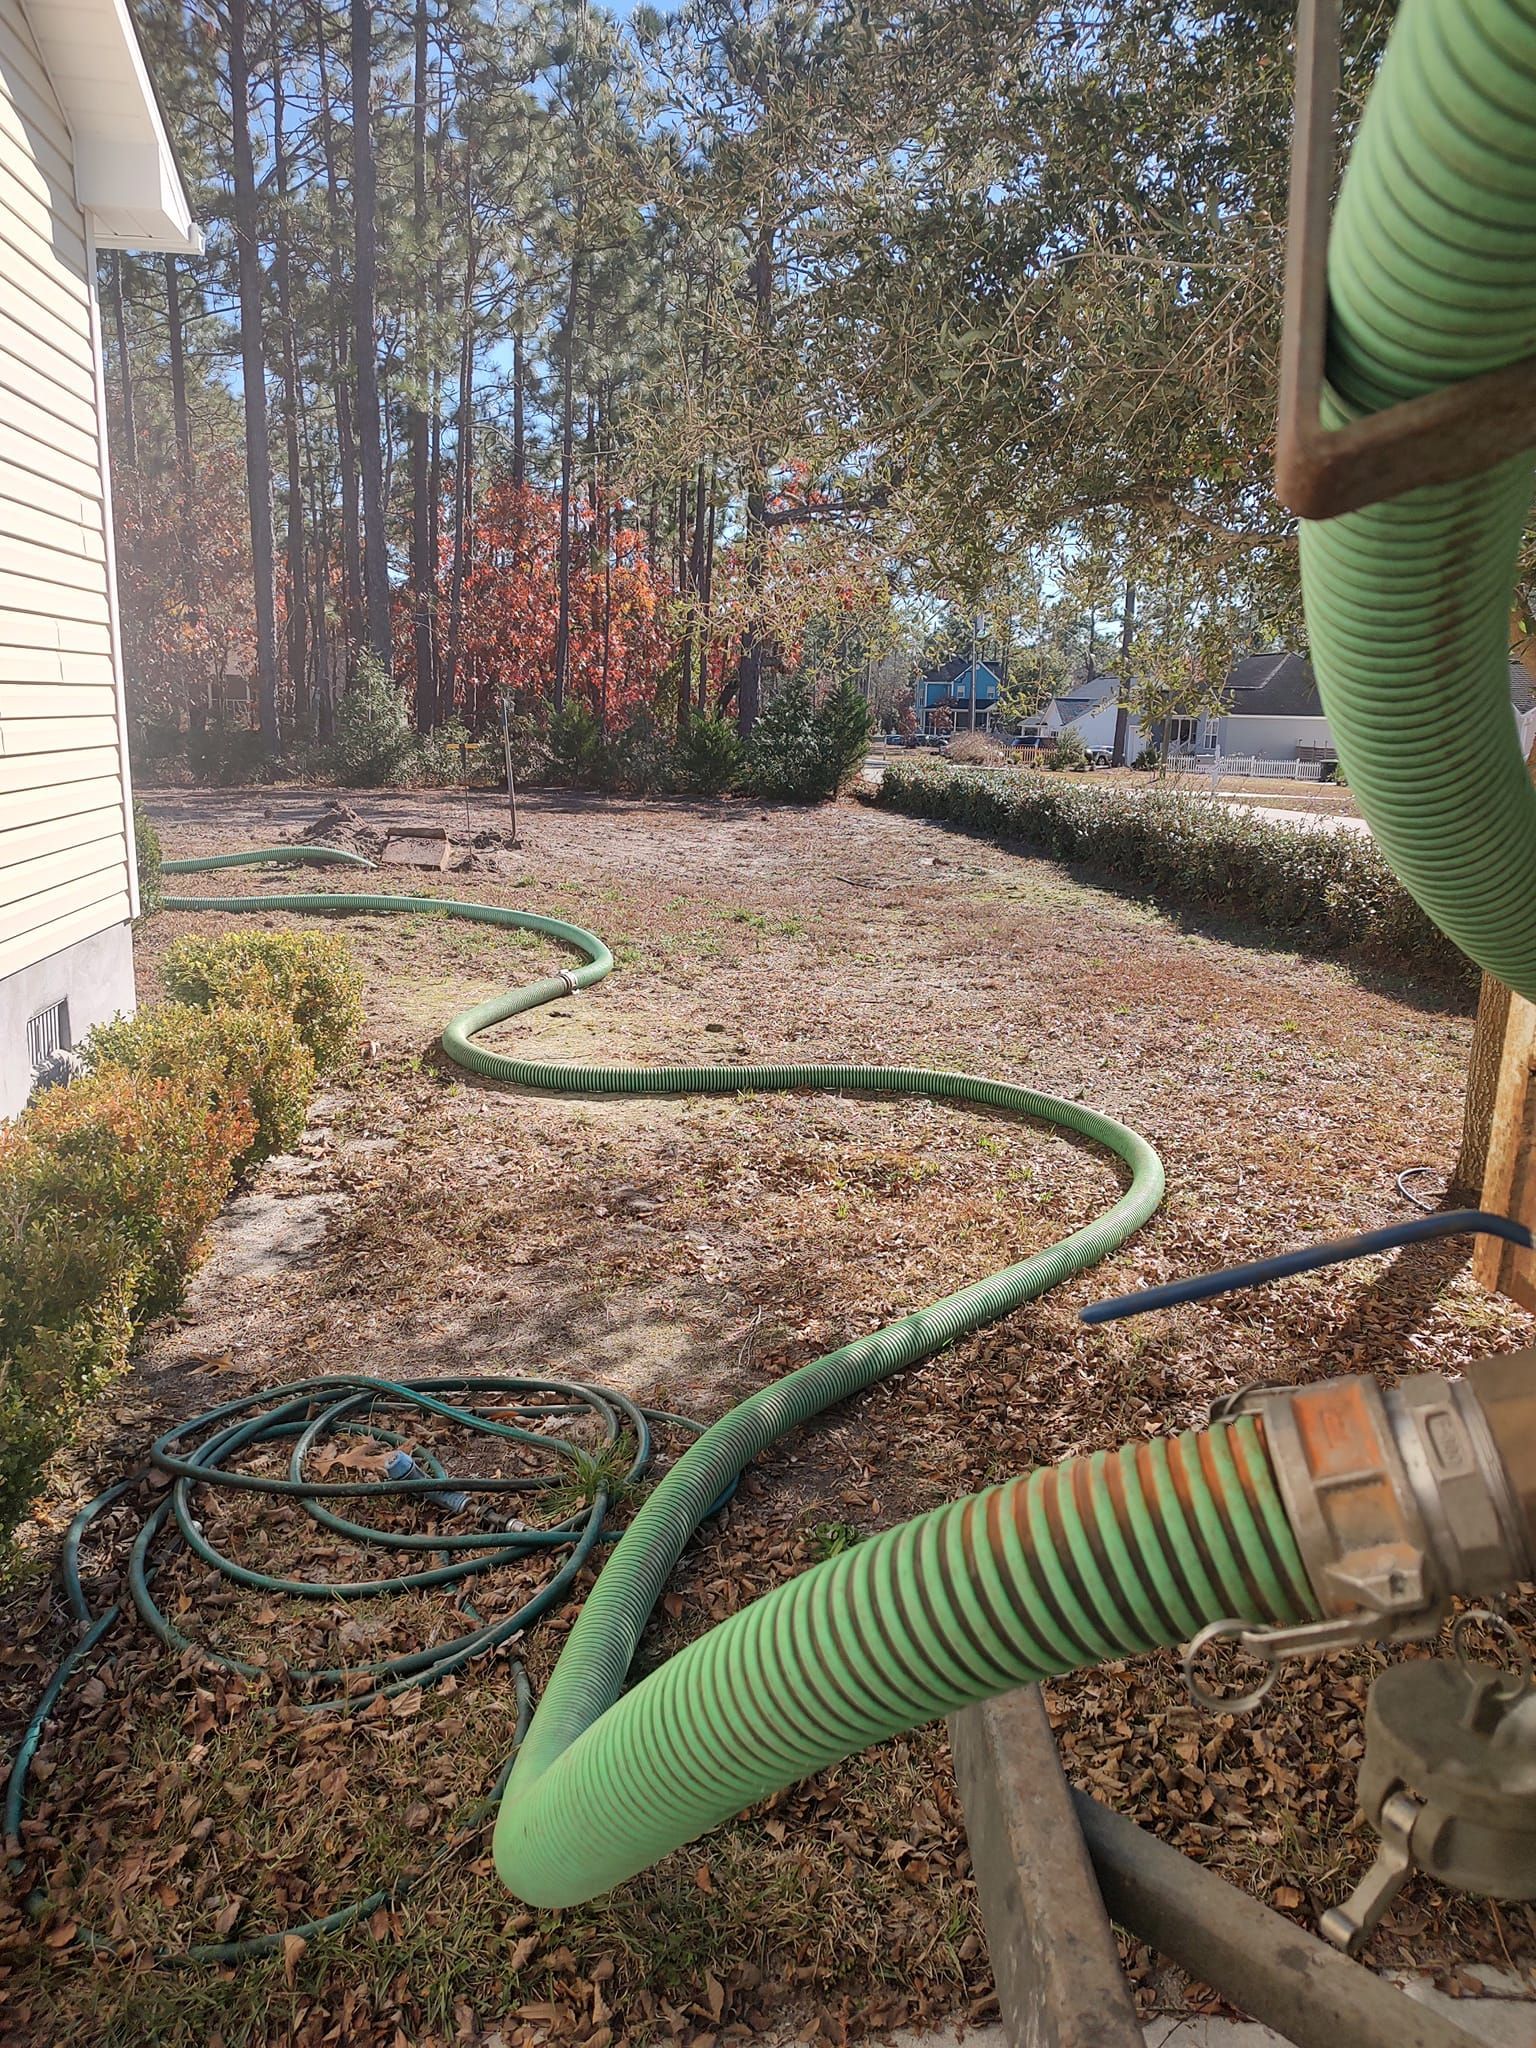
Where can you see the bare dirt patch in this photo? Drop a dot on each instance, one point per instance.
(687, 1251)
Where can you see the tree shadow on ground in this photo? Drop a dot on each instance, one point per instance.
(1402, 1297)
(1449, 995)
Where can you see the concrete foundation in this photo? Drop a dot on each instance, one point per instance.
(93, 979)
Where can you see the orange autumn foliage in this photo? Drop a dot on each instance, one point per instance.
(620, 638)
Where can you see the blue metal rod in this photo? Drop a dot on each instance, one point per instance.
(1454, 1223)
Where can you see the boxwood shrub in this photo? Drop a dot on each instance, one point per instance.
(106, 1185)
(150, 1155)
(1329, 891)
(253, 1059)
(308, 976)
(67, 1290)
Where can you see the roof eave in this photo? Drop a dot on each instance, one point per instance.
(126, 176)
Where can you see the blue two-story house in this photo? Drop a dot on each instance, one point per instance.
(959, 696)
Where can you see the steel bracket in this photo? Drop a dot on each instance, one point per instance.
(1441, 437)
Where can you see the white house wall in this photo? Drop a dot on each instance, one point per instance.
(64, 804)
(1097, 728)
(1271, 739)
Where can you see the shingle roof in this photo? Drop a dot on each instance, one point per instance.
(1283, 686)
(1272, 686)
(1089, 696)
(956, 666)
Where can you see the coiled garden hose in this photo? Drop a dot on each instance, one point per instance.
(309, 1419)
(309, 1415)
(1432, 279)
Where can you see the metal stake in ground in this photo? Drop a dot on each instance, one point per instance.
(506, 749)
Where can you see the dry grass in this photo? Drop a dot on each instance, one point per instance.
(1260, 792)
(687, 1251)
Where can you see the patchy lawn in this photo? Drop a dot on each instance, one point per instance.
(1260, 793)
(687, 1251)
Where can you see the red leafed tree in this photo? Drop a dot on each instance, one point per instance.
(184, 578)
(619, 635)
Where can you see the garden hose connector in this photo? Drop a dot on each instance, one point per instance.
(1399, 1499)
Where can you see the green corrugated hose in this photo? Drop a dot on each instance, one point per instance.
(1095, 1559)
(1432, 279)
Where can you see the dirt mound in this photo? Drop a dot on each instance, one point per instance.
(339, 825)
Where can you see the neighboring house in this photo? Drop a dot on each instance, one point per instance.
(1091, 709)
(960, 695)
(85, 164)
(1270, 711)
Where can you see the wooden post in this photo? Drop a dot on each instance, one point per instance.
(1482, 1084)
(1059, 1983)
(1509, 1179)
(1498, 1139)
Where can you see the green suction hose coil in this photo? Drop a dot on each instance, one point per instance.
(1099, 1558)
(1432, 279)
(1095, 1559)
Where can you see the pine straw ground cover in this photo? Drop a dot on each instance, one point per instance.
(686, 1251)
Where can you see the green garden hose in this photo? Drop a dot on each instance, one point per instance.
(1432, 279)
(306, 1419)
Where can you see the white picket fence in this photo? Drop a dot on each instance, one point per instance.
(1249, 767)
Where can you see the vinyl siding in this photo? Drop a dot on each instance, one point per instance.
(63, 841)
(1272, 739)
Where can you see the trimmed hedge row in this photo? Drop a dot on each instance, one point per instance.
(105, 1187)
(108, 1183)
(1331, 891)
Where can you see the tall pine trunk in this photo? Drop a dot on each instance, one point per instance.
(353, 620)
(753, 657)
(463, 457)
(258, 454)
(186, 480)
(519, 429)
(1123, 707)
(686, 608)
(369, 422)
(297, 621)
(567, 447)
(422, 568)
(419, 431)
(706, 587)
(696, 640)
